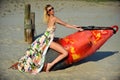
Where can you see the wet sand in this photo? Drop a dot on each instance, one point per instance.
(103, 65)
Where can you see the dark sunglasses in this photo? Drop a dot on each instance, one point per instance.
(51, 9)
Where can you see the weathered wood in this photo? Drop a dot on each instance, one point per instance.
(29, 36)
(33, 23)
(27, 11)
(28, 24)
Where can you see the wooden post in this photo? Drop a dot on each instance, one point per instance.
(29, 36)
(32, 15)
(27, 24)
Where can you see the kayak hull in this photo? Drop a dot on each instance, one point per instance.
(79, 46)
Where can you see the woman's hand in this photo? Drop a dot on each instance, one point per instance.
(78, 28)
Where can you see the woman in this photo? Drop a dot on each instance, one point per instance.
(51, 20)
(33, 60)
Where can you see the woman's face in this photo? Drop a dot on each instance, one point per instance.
(50, 10)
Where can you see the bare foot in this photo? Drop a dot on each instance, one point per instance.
(34, 72)
(49, 66)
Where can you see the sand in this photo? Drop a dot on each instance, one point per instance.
(103, 65)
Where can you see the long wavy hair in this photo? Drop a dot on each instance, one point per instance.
(46, 15)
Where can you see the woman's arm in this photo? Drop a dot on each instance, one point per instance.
(68, 25)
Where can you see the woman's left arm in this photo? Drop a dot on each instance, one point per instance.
(68, 25)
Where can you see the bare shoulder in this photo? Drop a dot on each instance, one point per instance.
(54, 18)
(57, 19)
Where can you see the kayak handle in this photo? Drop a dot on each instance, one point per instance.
(114, 28)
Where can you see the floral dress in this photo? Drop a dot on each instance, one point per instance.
(33, 60)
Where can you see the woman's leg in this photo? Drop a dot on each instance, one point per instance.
(61, 50)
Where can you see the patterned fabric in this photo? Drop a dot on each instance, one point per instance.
(32, 60)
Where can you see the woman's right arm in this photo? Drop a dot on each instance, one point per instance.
(67, 25)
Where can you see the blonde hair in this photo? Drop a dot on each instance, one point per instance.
(46, 15)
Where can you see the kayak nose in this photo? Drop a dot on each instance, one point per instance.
(115, 28)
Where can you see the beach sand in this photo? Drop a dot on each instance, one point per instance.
(103, 65)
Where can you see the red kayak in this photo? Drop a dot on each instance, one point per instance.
(81, 44)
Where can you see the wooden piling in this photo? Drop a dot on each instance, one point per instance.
(28, 24)
(32, 15)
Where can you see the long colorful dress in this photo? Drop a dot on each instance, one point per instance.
(33, 60)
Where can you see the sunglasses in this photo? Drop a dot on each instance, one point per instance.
(51, 9)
